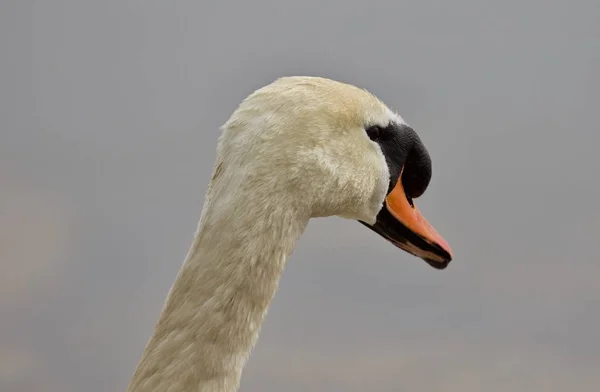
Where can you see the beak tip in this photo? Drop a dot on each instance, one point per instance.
(437, 264)
(443, 259)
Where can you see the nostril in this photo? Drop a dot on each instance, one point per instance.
(410, 201)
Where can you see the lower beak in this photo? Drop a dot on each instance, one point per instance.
(401, 223)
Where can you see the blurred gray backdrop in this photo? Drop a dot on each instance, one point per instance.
(109, 116)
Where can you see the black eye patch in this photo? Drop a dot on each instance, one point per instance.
(402, 147)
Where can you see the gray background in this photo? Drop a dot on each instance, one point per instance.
(109, 116)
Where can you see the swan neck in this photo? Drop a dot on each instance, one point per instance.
(213, 313)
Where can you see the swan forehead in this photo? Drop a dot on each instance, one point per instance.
(304, 99)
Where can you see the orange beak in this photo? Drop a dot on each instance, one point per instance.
(409, 215)
(401, 222)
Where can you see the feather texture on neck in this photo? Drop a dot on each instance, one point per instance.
(215, 308)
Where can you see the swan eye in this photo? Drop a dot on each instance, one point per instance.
(374, 132)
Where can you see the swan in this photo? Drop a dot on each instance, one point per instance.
(295, 149)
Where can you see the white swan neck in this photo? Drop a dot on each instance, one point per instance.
(215, 308)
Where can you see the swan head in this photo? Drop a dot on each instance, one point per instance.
(327, 148)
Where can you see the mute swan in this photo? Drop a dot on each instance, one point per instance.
(298, 148)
